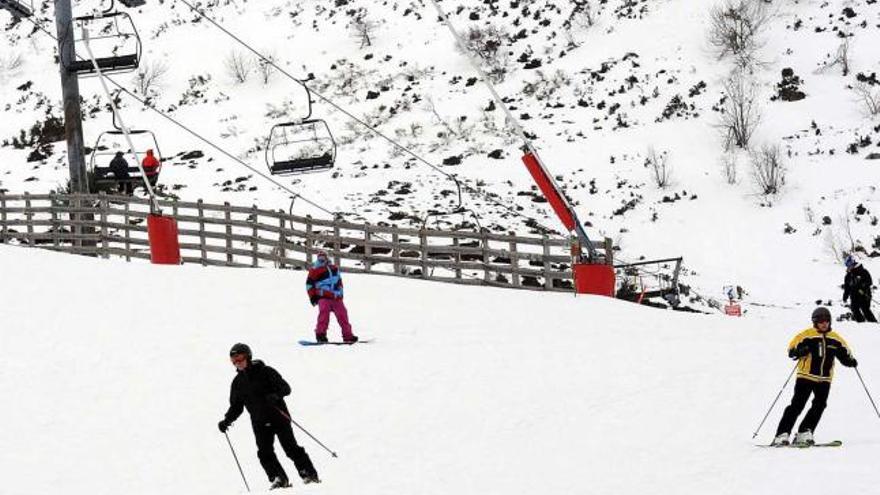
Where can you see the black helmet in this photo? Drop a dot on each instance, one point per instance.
(240, 349)
(821, 314)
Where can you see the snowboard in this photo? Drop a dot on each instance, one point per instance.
(833, 443)
(315, 342)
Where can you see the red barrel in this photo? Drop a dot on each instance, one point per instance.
(164, 245)
(594, 279)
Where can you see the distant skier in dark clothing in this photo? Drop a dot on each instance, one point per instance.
(119, 168)
(857, 288)
(261, 390)
(815, 349)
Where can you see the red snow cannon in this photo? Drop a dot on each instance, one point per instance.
(164, 244)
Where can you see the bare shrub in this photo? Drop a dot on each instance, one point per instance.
(735, 28)
(266, 68)
(149, 78)
(363, 29)
(730, 167)
(869, 97)
(581, 15)
(238, 66)
(768, 169)
(658, 164)
(740, 114)
(487, 43)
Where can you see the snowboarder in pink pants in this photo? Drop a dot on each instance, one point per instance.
(324, 286)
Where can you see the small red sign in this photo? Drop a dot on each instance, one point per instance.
(733, 310)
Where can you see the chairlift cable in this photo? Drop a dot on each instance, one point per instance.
(375, 131)
(199, 136)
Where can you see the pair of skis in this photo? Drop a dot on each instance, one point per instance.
(833, 443)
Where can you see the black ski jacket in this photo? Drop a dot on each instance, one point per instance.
(119, 167)
(250, 389)
(857, 283)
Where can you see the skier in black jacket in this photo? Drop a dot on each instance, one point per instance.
(857, 288)
(261, 390)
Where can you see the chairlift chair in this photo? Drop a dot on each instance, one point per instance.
(112, 141)
(133, 3)
(116, 43)
(18, 8)
(299, 147)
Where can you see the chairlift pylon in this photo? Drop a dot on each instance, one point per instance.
(117, 43)
(18, 8)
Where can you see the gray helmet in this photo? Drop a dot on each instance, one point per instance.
(821, 314)
(241, 349)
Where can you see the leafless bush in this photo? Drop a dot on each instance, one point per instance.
(741, 114)
(581, 15)
(149, 78)
(487, 42)
(841, 59)
(730, 167)
(768, 169)
(238, 66)
(363, 29)
(869, 97)
(12, 62)
(735, 28)
(266, 68)
(661, 170)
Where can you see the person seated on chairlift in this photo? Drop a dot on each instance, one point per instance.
(151, 166)
(119, 168)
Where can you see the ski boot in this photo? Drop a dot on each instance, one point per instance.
(803, 439)
(350, 340)
(321, 338)
(308, 477)
(279, 482)
(781, 440)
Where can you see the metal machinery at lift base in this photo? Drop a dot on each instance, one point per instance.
(589, 277)
(164, 243)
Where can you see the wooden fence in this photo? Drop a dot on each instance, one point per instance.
(226, 235)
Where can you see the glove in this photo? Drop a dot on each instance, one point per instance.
(272, 398)
(314, 300)
(800, 351)
(855, 364)
(223, 425)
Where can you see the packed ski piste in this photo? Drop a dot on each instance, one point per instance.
(606, 247)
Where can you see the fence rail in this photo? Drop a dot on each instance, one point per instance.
(226, 235)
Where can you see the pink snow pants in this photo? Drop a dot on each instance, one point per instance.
(337, 307)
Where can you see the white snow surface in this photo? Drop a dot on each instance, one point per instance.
(464, 389)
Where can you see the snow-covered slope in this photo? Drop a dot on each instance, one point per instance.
(596, 98)
(464, 389)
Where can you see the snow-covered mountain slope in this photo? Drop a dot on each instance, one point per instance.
(596, 98)
(476, 390)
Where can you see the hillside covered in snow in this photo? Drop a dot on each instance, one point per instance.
(626, 100)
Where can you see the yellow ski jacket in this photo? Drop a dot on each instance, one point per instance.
(816, 352)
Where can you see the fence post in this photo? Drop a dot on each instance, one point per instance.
(127, 232)
(395, 252)
(227, 214)
(423, 247)
(609, 251)
(203, 255)
(368, 250)
(456, 244)
(105, 245)
(337, 247)
(484, 241)
(548, 282)
(514, 263)
(309, 241)
(282, 251)
(29, 218)
(3, 218)
(255, 235)
(54, 217)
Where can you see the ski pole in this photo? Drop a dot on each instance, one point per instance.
(869, 393)
(776, 399)
(236, 462)
(288, 418)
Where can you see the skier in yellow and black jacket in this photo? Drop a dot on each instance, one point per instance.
(815, 348)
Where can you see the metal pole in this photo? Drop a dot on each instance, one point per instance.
(869, 393)
(287, 417)
(73, 131)
(236, 462)
(154, 205)
(776, 399)
(527, 144)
